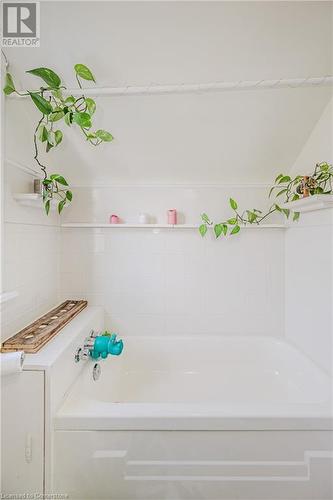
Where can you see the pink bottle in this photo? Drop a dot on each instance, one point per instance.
(172, 216)
(114, 219)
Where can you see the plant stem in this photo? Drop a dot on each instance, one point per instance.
(78, 81)
(43, 167)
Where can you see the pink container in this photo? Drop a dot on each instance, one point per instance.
(114, 219)
(172, 216)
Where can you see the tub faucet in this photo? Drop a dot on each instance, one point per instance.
(82, 353)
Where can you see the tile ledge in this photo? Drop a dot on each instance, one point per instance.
(6, 296)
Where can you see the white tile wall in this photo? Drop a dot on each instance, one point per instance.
(30, 256)
(309, 286)
(175, 282)
(31, 268)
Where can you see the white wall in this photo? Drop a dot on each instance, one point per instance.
(319, 146)
(235, 137)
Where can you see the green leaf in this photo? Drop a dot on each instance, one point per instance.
(281, 192)
(203, 229)
(232, 221)
(91, 105)
(104, 135)
(43, 133)
(278, 208)
(68, 118)
(233, 204)
(271, 191)
(70, 99)
(69, 195)
(278, 178)
(58, 136)
(49, 146)
(251, 216)
(82, 119)
(9, 87)
(284, 178)
(59, 178)
(224, 229)
(57, 93)
(91, 135)
(47, 207)
(206, 219)
(286, 212)
(218, 230)
(46, 74)
(296, 216)
(42, 104)
(61, 205)
(51, 137)
(56, 114)
(235, 230)
(84, 72)
(295, 197)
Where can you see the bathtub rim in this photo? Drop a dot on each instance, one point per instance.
(169, 416)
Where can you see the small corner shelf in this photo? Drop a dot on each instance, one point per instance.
(310, 203)
(33, 200)
(157, 226)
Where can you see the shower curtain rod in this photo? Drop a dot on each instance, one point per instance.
(323, 81)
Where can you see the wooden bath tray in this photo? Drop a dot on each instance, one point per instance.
(33, 337)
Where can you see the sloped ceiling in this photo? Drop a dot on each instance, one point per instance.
(240, 137)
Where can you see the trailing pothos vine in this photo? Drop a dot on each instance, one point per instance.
(292, 189)
(55, 106)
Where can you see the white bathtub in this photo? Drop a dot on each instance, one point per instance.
(253, 420)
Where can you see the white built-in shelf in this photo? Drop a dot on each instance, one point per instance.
(311, 203)
(159, 226)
